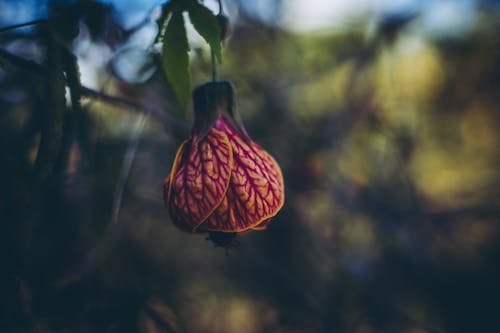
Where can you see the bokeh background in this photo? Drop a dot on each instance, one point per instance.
(384, 116)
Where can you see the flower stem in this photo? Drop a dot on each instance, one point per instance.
(221, 9)
(214, 66)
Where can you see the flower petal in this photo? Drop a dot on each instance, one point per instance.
(199, 179)
(256, 190)
(262, 225)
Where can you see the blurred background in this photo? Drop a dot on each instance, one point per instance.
(384, 116)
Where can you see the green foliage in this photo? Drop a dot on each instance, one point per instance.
(207, 25)
(175, 59)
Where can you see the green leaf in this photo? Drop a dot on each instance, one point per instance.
(205, 22)
(175, 58)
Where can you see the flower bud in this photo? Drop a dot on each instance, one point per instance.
(222, 181)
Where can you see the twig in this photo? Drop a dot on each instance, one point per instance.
(221, 9)
(22, 63)
(127, 165)
(53, 122)
(20, 25)
(214, 66)
(167, 121)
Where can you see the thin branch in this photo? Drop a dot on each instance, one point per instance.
(20, 25)
(221, 9)
(214, 66)
(166, 120)
(22, 63)
(127, 165)
(53, 121)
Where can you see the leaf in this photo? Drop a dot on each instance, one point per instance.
(205, 22)
(175, 58)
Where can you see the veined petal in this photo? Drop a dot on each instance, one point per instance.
(256, 190)
(167, 189)
(199, 179)
(262, 225)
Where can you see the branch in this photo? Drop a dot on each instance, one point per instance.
(166, 120)
(22, 63)
(53, 122)
(20, 25)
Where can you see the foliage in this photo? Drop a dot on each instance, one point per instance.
(176, 59)
(175, 45)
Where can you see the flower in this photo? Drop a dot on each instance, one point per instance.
(221, 181)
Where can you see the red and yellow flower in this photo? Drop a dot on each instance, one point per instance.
(222, 181)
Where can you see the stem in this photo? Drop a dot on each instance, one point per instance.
(53, 117)
(17, 61)
(127, 165)
(214, 66)
(221, 10)
(164, 118)
(74, 117)
(20, 25)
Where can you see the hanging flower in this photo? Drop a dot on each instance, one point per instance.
(221, 181)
